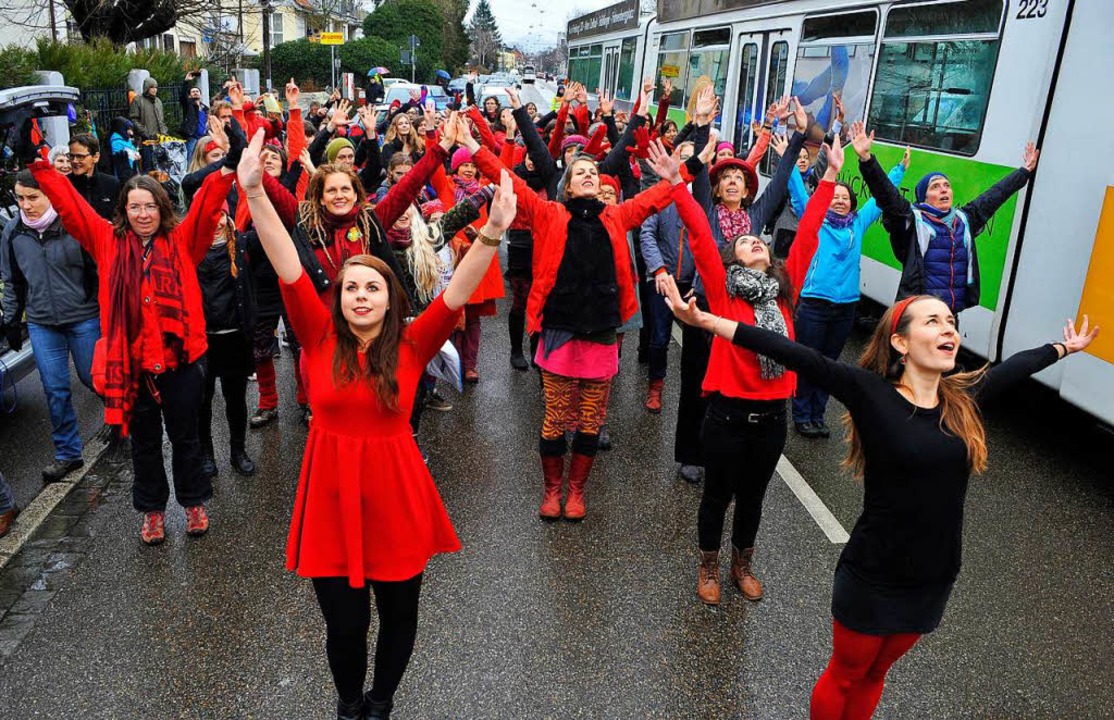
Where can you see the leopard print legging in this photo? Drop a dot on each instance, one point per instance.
(567, 398)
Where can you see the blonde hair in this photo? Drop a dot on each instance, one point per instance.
(422, 261)
(197, 159)
(414, 141)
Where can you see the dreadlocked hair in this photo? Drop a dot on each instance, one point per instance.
(424, 264)
(959, 413)
(311, 212)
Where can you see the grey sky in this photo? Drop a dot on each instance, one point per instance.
(548, 17)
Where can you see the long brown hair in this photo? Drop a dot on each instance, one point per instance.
(228, 231)
(380, 370)
(959, 414)
(168, 218)
(786, 292)
(414, 140)
(312, 214)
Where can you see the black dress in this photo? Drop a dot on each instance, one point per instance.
(896, 573)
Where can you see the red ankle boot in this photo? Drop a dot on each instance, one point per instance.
(553, 470)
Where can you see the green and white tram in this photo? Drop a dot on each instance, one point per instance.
(965, 83)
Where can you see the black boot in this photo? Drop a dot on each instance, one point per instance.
(377, 709)
(516, 323)
(208, 464)
(350, 711)
(241, 463)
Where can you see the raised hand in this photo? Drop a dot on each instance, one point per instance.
(783, 109)
(216, 132)
(780, 144)
(606, 102)
(686, 312)
(705, 105)
(906, 158)
(504, 205)
(860, 140)
(512, 93)
(249, 171)
(236, 95)
(666, 87)
(835, 158)
(449, 131)
(708, 153)
(771, 114)
(581, 94)
(293, 94)
(647, 85)
(838, 102)
(1076, 341)
(667, 167)
(416, 96)
(506, 116)
(429, 111)
(307, 162)
(1032, 154)
(644, 99)
(800, 117)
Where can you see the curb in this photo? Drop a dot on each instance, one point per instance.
(36, 513)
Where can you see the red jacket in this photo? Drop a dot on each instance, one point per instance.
(550, 223)
(734, 371)
(193, 236)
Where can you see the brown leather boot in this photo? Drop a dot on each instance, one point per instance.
(749, 585)
(707, 587)
(579, 468)
(553, 471)
(653, 396)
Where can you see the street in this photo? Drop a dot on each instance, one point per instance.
(537, 620)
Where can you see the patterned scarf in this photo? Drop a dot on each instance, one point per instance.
(465, 188)
(123, 362)
(760, 290)
(733, 223)
(837, 221)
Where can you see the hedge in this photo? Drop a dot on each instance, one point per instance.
(308, 63)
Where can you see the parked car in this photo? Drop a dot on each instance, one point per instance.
(441, 99)
(458, 84)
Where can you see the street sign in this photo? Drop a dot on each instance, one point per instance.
(332, 38)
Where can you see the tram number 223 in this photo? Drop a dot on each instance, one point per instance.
(1032, 9)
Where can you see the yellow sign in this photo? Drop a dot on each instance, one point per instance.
(670, 71)
(332, 38)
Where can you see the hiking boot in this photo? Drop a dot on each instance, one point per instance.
(153, 531)
(263, 417)
(707, 586)
(59, 469)
(197, 520)
(741, 572)
(653, 396)
(436, 401)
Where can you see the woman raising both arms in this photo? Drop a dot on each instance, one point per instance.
(916, 436)
(367, 511)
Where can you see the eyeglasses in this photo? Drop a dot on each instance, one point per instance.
(135, 209)
(78, 156)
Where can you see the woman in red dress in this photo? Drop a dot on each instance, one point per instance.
(367, 511)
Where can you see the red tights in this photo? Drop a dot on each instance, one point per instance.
(851, 685)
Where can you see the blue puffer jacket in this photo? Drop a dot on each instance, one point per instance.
(947, 266)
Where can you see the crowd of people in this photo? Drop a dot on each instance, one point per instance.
(373, 238)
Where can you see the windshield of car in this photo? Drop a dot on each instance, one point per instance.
(399, 92)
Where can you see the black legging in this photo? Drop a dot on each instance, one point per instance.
(347, 612)
(743, 440)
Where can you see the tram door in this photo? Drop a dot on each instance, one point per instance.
(763, 71)
(610, 69)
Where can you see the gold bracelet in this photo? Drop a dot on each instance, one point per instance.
(255, 197)
(488, 240)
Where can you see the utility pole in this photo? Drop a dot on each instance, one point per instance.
(414, 43)
(266, 4)
(53, 23)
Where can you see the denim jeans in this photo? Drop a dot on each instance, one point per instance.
(7, 502)
(54, 344)
(823, 326)
(660, 322)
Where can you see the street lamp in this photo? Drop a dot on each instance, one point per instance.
(267, 10)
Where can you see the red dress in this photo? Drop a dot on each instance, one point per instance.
(366, 506)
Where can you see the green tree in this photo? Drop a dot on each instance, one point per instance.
(396, 20)
(308, 62)
(486, 40)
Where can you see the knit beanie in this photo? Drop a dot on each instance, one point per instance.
(461, 156)
(335, 146)
(613, 182)
(573, 140)
(922, 186)
(724, 145)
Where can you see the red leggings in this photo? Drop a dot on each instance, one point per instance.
(851, 686)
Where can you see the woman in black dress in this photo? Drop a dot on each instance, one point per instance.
(916, 436)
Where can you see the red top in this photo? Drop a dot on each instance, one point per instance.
(193, 236)
(734, 371)
(366, 506)
(550, 221)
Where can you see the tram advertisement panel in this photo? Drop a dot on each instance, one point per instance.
(826, 72)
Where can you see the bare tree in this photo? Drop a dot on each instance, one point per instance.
(119, 21)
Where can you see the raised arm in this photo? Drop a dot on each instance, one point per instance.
(406, 190)
(980, 210)
(80, 220)
(273, 235)
(897, 212)
(544, 164)
(474, 265)
(869, 212)
(705, 252)
(1019, 366)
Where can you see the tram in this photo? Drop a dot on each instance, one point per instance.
(965, 84)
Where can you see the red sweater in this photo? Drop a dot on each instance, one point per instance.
(734, 371)
(550, 221)
(193, 236)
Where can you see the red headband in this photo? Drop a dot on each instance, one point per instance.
(210, 147)
(899, 310)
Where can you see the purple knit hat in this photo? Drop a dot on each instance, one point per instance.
(461, 156)
(573, 140)
(724, 145)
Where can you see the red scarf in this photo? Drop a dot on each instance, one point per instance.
(342, 231)
(123, 347)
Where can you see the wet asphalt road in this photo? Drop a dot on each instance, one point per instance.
(597, 620)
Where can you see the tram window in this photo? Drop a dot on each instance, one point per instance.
(775, 85)
(949, 18)
(934, 94)
(625, 85)
(859, 24)
(710, 64)
(748, 78)
(673, 63)
(707, 38)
